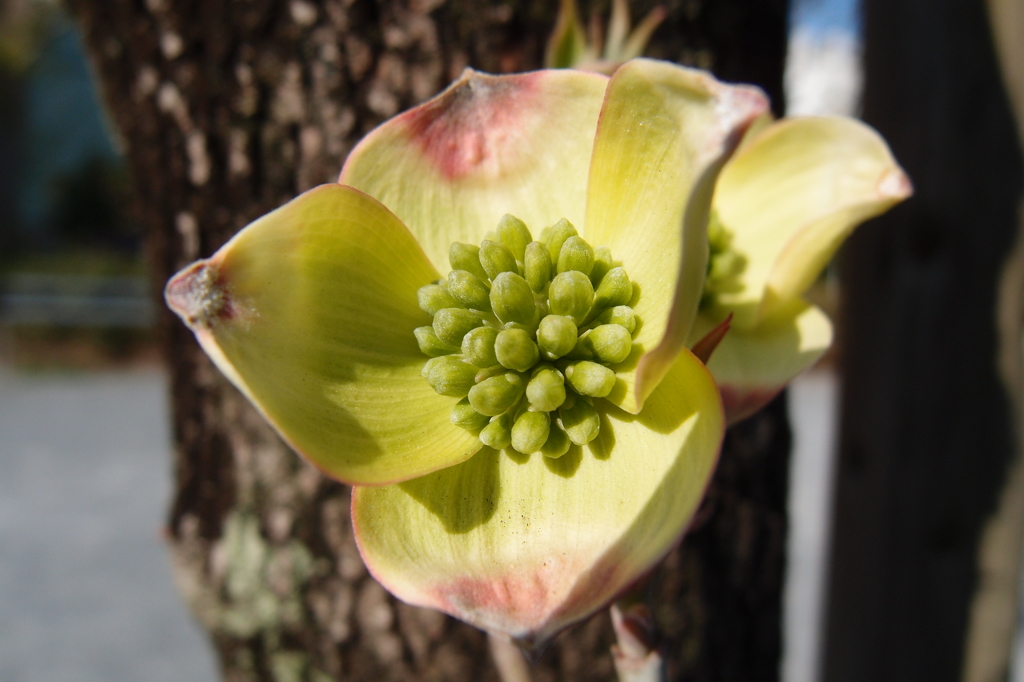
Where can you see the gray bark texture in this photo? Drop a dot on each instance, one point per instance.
(228, 109)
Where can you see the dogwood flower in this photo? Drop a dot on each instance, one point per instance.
(783, 205)
(483, 328)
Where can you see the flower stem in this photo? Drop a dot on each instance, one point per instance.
(635, 654)
(508, 659)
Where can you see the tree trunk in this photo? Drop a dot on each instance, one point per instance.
(926, 433)
(230, 109)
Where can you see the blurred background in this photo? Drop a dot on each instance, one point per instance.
(86, 591)
(86, 586)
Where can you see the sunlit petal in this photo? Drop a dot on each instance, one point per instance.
(486, 146)
(528, 545)
(751, 366)
(310, 311)
(791, 197)
(663, 135)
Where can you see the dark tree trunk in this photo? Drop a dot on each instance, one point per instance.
(230, 109)
(926, 432)
(12, 166)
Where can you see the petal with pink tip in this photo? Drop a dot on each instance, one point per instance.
(310, 312)
(664, 133)
(791, 196)
(525, 546)
(752, 365)
(486, 146)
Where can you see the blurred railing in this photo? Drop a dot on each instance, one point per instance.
(75, 301)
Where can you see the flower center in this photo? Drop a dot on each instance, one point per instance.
(724, 264)
(525, 333)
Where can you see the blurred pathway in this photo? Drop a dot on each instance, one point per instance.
(85, 584)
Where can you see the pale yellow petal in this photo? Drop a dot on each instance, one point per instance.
(752, 365)
(486, 146)
(310, 311)
(528, 545)
(664, 132)
(791, 197)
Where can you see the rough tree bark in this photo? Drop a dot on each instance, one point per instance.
(229, 109)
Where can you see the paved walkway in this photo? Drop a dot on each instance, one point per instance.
(85, 584)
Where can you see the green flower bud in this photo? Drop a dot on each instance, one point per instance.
(496, 259)
(602, 264)
(488, 372)
(546, 390)
(621, 315)
(725, 265)
(577, 255)
(431, 345)
(614, 289)
(610, 343)
(495, 395)
(498, 434)
(542, 307)
(581, 421)
(590, 378)
(469, 290)
(570, 400)
(537, 266)
(512, 299)
(449, 375)
(466, 257)
(516, 350)
(582, 349)
(451, 324)
(557, 443)
(570, 294)
(556, 336)
(478, 346)
(556, 297)
(560, 231)
(513, 233)
(464, 416)
(530, 432)
(719, 238)
(434, 297)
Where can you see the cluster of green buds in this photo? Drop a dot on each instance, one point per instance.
(524, 333)
(725, 265)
